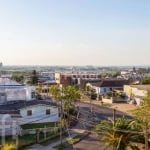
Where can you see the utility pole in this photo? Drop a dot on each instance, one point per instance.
(61, 123)
(114, 115)
(91, 105)
(146, 137)
(114, 119)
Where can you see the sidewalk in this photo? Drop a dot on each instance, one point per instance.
(74, 132)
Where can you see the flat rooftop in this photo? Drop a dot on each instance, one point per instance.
(8, 82)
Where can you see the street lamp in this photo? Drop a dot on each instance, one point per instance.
(61, 112)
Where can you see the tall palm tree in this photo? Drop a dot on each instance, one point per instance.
(71, 94)
(56, 92)
(118, 135)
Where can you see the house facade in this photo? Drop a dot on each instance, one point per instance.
(12, 91)
(40, 113)
(30, 112)
(108, 85)
(136, 93)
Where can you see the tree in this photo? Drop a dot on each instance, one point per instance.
(56, 92)
(134, 69)
(18, 78)
(9, 147)
(146, 81)
(143, 113)
(68, 94)
(34, 77)
(71, 94)
(118, 134)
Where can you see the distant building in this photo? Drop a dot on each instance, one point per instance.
(12, 91)
(62, 79)
(74, 78)
(108, 85)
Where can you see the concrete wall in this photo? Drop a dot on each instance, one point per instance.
(17, 93)
(137, 93)
(134, 91)
(106, 100)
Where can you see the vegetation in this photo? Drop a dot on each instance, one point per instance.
(91, 92)
(19, 78)
(68, 94)
(54, 139)
(39, 125)
(56, 92)
(143, 113)
(116, 74)
(70, 142)
(146, 81)
(122, 133)
(34, 78)
(118, 134)
(143, 70)
(9, 147)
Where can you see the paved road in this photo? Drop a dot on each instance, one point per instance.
(91, 142)
(100, 111)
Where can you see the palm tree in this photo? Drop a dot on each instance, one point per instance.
(56, 92)
(71, 94)
(9, 147)
(118, 135)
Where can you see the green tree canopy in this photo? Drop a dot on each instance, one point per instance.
(117, 135)
(18, 77)
(68, 94)
(143, 113)
(34, 78)
(146, 81)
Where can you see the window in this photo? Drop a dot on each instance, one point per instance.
(33, 95)
(29, 113)
(105, 90)
(48, 111)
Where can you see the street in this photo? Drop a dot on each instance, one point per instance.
(86, 121)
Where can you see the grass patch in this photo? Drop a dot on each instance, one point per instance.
(54, 139)
(75, 139)
(39, 125)
(69, 142)
(24, 140)
(106, 105)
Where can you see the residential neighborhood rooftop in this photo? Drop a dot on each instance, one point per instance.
(8, 82)
(15, 106)
(111, 83)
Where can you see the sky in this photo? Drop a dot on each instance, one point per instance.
(75, 32)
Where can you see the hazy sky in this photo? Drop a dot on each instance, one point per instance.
(75, 32)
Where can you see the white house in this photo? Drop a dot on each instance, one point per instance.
(108, 85)
(12, 91)
(34, 111)
(136, 92)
